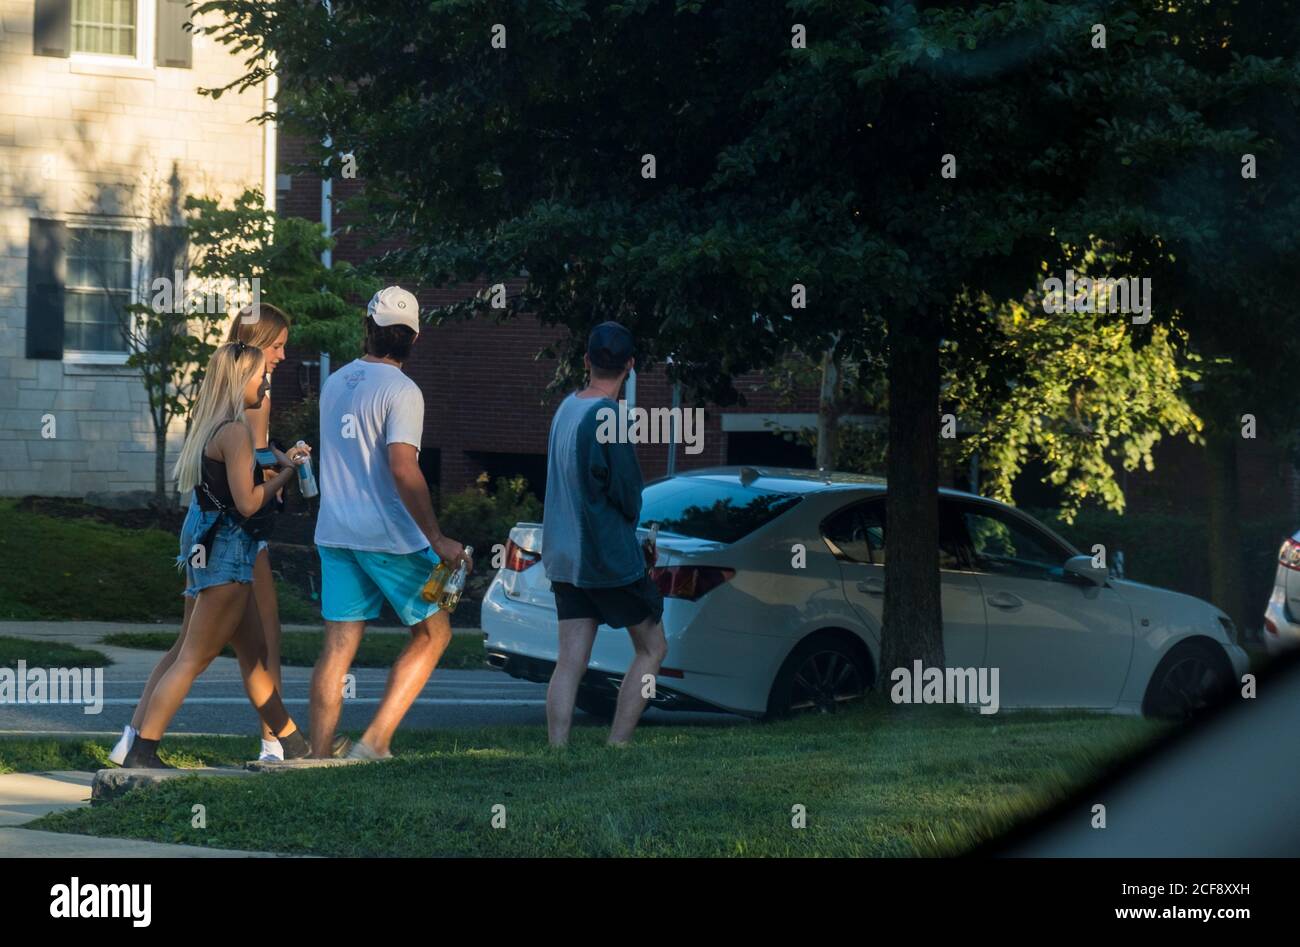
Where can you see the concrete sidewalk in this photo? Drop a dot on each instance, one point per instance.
(28, 796)
(25, 797)
(28, 843)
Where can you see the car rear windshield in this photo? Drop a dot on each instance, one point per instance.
(714, 510)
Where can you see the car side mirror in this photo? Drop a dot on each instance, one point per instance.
(1082, 567)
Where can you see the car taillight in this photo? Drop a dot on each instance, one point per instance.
(1270, 626)
(518, 558)
(689, 582)
(1289, 554)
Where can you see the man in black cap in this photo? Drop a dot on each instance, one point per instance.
(590, 549)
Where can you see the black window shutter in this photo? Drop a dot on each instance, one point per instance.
(47, 246)
(167, 251)
(175, 43)
(167, 255)
(52, 35)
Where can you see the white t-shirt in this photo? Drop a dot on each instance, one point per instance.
(364, 407)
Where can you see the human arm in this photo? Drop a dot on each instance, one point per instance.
(403, 428)
(234, 444)
(403, 460)
(615, 468)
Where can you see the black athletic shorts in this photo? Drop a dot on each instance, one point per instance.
(618, 607)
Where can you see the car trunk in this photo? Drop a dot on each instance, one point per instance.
(531, 587)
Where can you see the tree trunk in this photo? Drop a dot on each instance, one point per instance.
(160, 462)
(913, 619)
(828, 411)
(1227, 580)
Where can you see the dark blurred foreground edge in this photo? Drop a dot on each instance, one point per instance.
(1226, 785)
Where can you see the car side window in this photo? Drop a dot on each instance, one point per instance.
(858, 535)
(1002, 545)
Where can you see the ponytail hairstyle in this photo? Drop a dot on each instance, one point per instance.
(257, 325)
(232, 366)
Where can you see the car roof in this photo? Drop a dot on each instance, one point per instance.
(796, 480)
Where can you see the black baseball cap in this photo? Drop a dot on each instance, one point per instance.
(610, 346)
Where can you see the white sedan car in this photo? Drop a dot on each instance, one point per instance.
(773, 584)
(1281, 629)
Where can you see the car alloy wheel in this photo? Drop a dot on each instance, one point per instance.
(1190, 685)
(825, 680)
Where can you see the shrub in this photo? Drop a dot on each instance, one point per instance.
(481, 518)
(297, 422)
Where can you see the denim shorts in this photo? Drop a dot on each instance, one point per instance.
(229, 560)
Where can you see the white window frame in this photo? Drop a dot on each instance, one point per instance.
(146, 28)
(139, 240)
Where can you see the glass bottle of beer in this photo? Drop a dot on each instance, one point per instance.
(446, 584)
(454, 586)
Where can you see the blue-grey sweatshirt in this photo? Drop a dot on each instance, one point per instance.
(593, 502)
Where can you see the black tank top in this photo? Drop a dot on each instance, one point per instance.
(216, 480)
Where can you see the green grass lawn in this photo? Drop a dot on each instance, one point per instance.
(58, 569)
(48, 654)
(20, 754)
(302, 648)
(878, 781)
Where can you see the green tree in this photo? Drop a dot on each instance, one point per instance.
(169, 345)
(244, 241)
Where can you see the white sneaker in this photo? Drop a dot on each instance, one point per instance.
(123, 746)
(272, 752)
(360, 751)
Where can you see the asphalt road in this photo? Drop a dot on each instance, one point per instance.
(218, 704)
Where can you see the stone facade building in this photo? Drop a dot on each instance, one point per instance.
(103, 133)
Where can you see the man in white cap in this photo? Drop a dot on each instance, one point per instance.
(376, 533)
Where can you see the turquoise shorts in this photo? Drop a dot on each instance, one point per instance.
(354, 584)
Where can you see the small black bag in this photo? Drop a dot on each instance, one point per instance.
(259, 526)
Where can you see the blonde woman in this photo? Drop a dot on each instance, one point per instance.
(218, 545)
(257, 642)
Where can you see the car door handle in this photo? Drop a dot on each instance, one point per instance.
(872, 586)
(1005, 601)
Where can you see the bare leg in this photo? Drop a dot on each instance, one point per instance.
(162, 666)
(577, 635)
(342, 638)
(257, 640)
(651, 649)
(268, 610)
(411, 670)
(212, 625)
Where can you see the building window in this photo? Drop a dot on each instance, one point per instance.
(104, 27)
(99, 288)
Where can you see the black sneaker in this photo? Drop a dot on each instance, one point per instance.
(139, 758)
(342, 745)
(295, 746)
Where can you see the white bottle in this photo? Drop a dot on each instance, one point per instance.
(306, 478)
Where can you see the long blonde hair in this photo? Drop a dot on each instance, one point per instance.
(221, 399)
(257, 327)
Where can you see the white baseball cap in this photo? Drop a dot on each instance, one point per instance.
(394, 306)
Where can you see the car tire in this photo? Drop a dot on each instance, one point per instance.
(595, 704)
(822, 675)
(1190, 679)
